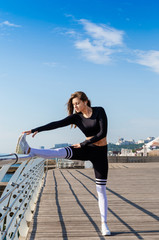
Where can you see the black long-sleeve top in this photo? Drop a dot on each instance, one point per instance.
(94, 126)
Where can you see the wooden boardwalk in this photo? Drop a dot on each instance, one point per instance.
(67, 207)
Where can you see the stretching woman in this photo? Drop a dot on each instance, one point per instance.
(92, 121)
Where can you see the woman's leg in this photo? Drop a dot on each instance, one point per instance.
(102, 198)
(65, 152)
(24, 148)
(100, 164)
(98, 156)
(103, 204)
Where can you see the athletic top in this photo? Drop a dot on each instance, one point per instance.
(95, 126)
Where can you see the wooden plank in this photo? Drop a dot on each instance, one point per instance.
(67, 207)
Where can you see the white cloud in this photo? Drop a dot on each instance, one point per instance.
(148, 58)
(100, 42)
(73, 34)
(103, 34)
(9, 24)
(51, 64)
(94, 53)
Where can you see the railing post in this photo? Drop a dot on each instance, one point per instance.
(23, 228)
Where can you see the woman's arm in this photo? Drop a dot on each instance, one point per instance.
(71, 119)
(57, 124)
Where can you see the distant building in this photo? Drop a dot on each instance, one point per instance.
(147, 147)
(121, 141)
(110, 153)
(141, 141)
(127, 152)
(60, 145)
(149, 139)
(113, 153)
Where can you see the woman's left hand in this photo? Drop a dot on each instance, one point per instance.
(76, 145)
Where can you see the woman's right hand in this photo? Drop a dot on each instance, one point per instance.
(29, 132)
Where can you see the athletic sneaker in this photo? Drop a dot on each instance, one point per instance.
(22, 145)
(105, 230)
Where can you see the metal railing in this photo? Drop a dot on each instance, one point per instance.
(65, 164)
(19, 197)
(13, 158)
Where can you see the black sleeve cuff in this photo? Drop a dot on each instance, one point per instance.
(83, 144)
(34, 130)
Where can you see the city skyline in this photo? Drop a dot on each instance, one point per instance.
(121, 141)
(50, 49)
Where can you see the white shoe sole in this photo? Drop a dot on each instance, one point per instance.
(106, 233)
(105, 230)
(18, 149)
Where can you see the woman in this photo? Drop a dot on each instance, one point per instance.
(92, 121)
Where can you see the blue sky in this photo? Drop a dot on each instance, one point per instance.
(49, 49)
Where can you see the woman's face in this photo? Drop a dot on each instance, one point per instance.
(78, 104)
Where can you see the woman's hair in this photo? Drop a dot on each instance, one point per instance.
(82, 96)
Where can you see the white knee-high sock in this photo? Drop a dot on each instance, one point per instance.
(102, 198)
(52, 153)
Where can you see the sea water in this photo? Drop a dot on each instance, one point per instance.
(8, 176)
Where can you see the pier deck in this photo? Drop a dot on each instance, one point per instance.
(67, 206)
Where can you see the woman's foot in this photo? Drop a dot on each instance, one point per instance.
(105, 230)
(22, 145)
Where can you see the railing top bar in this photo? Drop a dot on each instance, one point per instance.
(13, 158)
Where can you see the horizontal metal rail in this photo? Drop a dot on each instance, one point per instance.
(13, 158)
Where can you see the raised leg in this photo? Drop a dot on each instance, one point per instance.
(52, 153)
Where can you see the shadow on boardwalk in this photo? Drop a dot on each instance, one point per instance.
(67, 207)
